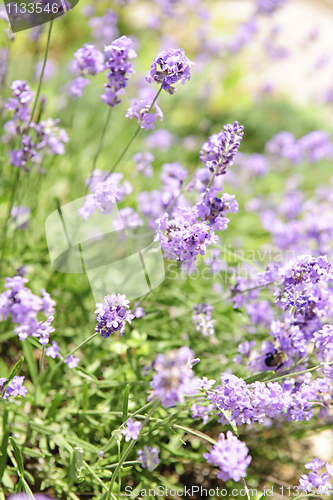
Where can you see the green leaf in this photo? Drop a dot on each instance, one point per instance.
(26, 488)
(195, 433)
(12, 374)
(54, 406)
(32, 453)
(125, 403)
(30, 360)
(4, 444)
(85, 396)
(18, 455)
(257, 377)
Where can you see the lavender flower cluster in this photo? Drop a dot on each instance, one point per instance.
(14, 388)
(49, 138)
(112, 315)
(202, 319)
(23, 306)
(220, 149)
(168, 68)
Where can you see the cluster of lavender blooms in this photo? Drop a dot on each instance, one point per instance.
(268, 7)
(132, 430)
(154, 203)
(168, 68)
(315, 482)
(113, 315)
(304, 299)
(231, 456)
(106, 191)
(249, 403)
(14, 388)
(296, 223)
(23, 306)
(312, 147)
(220, 149)
(141, 110)
(149, 457)
(115, 61)
(173, 377)
(184, 237)
(144, 163)
(88, 61)
(104, 28)
(49, 138)
(118, 68)
(202, 319)
(246, 31)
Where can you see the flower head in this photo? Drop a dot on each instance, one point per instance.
(132, 430)
(141, 111)
(89, 60)
(119, 69)
(14, 388)
(113, 315)
(202, 319)
(173, 377)
(168, 68)
(220, 150)
(72, 362)
(231, 456)
(149, 457)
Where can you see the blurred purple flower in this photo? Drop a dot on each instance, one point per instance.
(72, 362)
(149, 457)
(132, 430)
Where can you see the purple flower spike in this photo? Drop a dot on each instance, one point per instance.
(220, 150)
(173, 377)
(231, 456)
(149, 457)
(173, 66)
(132, 430)
(113, 315)
(119, 69)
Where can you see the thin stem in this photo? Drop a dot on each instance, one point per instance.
(42, 73)
(294, 374)
(246, 489)
(80, 345)
(100, 147)
(129, 448)
(41, 360)
(133, 137)
(210, 182)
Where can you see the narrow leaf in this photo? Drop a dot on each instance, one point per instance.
(12, 374)
(30, 360)
(125, 403)
(54, 406)
(18, 455)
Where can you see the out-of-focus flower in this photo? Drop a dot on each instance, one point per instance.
(78, 85)
(88, 60)
(53, 350)
(149, 457)
(140, 111)
(144, 163)
(132, 430)
(72, 362)
(314, 480)
(160, 139)
(174, 377)
(202, 319)
(21, 216)
(231, 456)
(104, 28)
(14, 388)
(106, 192)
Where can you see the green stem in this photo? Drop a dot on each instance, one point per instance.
(133, 137)
(100, 147)
(41, 360)
(50, 375)
(12, 201)
(210, 182)
(42, 73)
(129, 448)
(294, 374)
